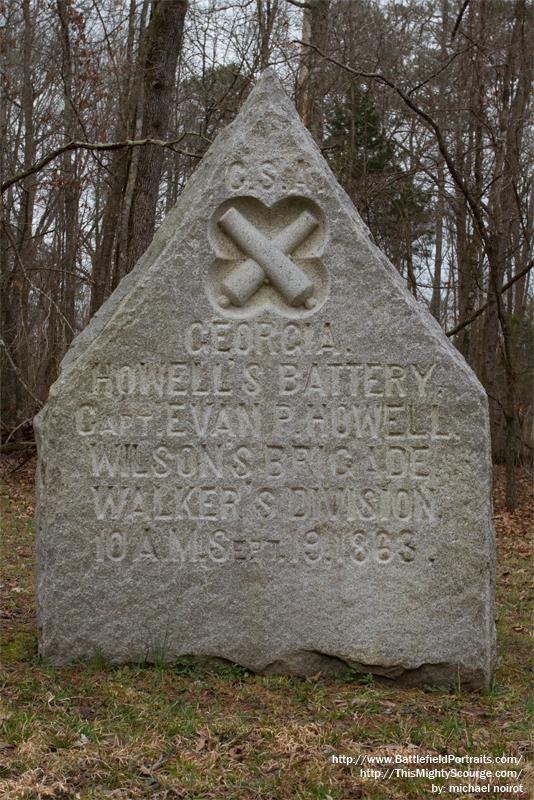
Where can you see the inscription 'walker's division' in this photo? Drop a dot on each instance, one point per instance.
(262, 448)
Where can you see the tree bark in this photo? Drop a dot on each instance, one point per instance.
(267, 11)
(310, 80)
(124, 127)
(16, 402)
(163, 46)
(71, 190)
(515, 89)
(435, 301)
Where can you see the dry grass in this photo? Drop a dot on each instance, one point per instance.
(192, 732)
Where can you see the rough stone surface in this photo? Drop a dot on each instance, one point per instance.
(262, 448)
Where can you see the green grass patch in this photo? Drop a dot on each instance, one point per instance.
(195, 731)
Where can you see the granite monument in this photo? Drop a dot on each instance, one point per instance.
(263, 448)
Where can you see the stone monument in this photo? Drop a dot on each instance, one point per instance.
(262, 448)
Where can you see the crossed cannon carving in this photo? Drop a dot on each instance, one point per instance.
(268, 260)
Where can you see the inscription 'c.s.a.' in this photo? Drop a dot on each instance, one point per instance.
(253, 174)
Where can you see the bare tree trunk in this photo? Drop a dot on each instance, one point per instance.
(125, 126)
(310, 80)
(119, 266)
(71, 191)
(267, 11)
(17, 403)
(435, 302)
(163, 46)
(468, 153)
(516, 86)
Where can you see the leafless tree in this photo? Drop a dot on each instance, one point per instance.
(422, 110)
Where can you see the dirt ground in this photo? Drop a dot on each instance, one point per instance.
(191, 732)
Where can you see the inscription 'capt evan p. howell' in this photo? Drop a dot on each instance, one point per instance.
(262, 448)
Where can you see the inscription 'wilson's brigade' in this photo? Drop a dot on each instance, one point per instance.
(215, 460)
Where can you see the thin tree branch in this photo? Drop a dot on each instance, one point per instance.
(34, 287)
(299, 3)
(479, 311)
(441, 69)
(74, 145)
(18, 427)
(18, 375)
(430, 123)
(83, 276)
(459, 19)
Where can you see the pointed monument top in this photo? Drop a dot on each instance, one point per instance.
(268, 73)
(269, 80)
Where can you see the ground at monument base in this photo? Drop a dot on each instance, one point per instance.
(195, 733)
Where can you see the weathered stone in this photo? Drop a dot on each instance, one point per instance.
(262, 448)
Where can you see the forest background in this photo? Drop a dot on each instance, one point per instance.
(422, 109)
